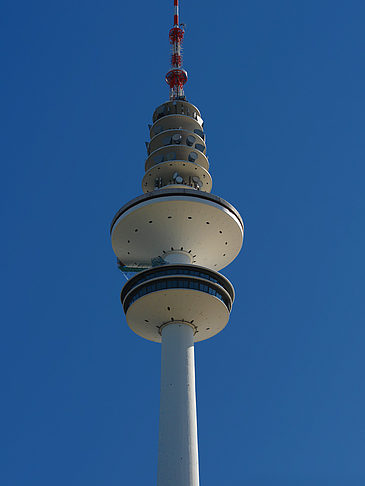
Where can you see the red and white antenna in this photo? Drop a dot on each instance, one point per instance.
(176, 77)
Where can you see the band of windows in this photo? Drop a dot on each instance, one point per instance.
(176, 271)
(176, 283)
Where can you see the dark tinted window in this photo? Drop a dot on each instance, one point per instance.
(173, 284)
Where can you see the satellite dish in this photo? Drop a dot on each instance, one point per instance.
(190, 140)
(175, 175)
(176, 138)
(179, 180)
(193, 156)
(200, 133)
(199, 147)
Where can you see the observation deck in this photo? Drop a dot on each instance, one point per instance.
(203, 226)
(190, 294)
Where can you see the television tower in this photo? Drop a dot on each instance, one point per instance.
(174, 238)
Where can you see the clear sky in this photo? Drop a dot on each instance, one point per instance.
(281, 399)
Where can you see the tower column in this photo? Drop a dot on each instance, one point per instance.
(178, 439)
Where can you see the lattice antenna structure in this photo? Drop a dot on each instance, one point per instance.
(177, 76)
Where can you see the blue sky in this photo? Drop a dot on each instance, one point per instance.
(280, 85)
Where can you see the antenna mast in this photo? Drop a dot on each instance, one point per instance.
(176, 77)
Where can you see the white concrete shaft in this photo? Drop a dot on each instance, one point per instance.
(178, 436)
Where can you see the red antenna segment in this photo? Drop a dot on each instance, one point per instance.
(176, 13)
(176, 77)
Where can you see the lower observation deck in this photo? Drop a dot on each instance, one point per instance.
(197, 223)
(177, 293)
